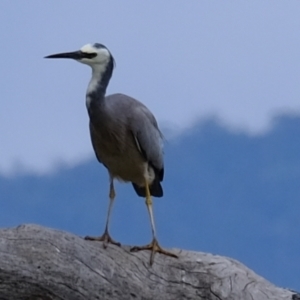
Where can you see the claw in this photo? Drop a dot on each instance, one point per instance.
(153, 247)
(105, 238)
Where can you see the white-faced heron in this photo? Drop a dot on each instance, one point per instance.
(125, 137)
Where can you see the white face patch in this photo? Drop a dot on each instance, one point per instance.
(103, 54)
(88, 48)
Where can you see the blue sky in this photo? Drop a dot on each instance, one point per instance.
(236, 60)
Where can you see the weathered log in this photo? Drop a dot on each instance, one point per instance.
(38, 263)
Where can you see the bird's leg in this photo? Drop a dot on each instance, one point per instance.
(105, 237)
(153, 246)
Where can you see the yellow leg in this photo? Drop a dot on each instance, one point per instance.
(153, 246)
(105, 237)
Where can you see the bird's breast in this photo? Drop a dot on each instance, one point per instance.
(117, 150)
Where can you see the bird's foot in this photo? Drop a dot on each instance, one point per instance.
(153, 247)
(105, 238)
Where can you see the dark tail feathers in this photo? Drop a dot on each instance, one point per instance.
(155, 189)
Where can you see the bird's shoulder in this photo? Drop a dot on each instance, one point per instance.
(131, 108)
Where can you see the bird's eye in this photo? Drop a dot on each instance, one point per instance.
(89, 55)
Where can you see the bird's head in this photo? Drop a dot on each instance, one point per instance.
(94, 55)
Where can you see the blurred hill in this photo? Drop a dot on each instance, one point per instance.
(225, 192)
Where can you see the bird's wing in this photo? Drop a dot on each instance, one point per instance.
(141, 123)
(148, 137)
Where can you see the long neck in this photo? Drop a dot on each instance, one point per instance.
(98, 84)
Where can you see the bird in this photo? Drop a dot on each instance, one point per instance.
(125, 137)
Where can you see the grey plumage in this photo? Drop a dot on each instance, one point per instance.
(125, 137)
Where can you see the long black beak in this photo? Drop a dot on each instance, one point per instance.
(73, 55)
